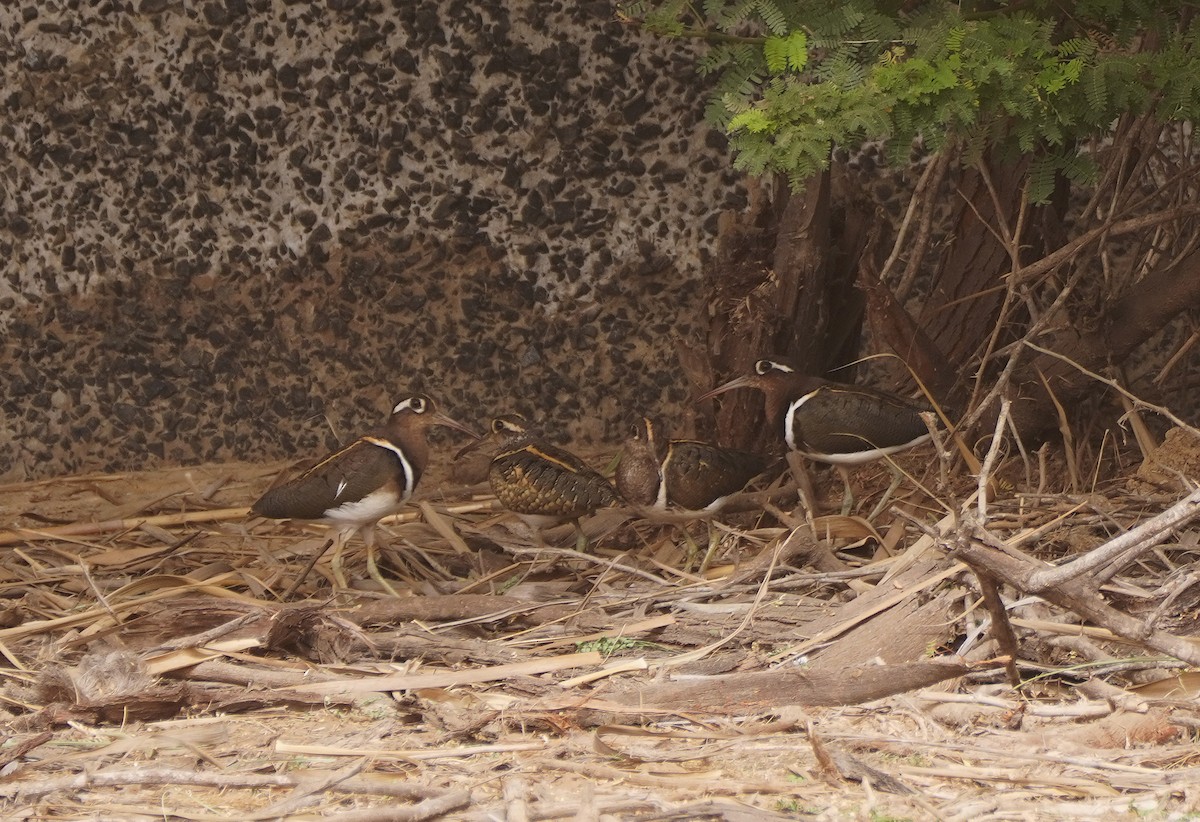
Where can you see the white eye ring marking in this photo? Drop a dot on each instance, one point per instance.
(414, 404)
(764, 366)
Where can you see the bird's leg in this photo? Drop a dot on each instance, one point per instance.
(368, 533)
(847, 494)
(581, 540)
(335, 562)
(804, 483)
(714, 542)
(692, 547)
(897, 478)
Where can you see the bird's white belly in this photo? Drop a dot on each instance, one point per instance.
(863, 457)
(372, 507)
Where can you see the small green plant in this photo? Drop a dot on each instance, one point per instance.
(612, 645)
(883, 816)
(789, 806)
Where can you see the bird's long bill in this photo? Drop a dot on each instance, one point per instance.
(441, 419)
(748, 381)
(473, 445)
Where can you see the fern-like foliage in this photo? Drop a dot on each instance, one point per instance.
(795, 77)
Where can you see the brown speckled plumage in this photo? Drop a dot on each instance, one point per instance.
(659, 474)
(536, 479)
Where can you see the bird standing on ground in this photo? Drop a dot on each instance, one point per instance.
(842, 425)
(541, 483)
(371, 478)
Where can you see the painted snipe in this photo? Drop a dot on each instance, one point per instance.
(675, 481)
(842, 425)
(541, 483)
(356, 486)
(680, 479)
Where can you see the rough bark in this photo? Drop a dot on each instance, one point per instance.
(762, 690)
(772, 271)
(1129, 321)
(965, 299)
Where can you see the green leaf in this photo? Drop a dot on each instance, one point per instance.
(752, 120)
(786, 53)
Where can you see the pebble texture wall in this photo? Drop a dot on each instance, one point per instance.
(241, 228)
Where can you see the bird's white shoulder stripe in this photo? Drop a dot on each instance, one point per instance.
(410, 481)
(789, 419)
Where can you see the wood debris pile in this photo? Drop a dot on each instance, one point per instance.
(905, 664)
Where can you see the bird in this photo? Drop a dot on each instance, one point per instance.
(360, 484)
(677, 480)
(835, 423)
(541, 483)
(687, 478)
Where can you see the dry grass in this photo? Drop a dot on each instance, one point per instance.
(833, 669)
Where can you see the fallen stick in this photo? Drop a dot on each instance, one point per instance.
(399, 788)
(447, 679)
(75, 529)
(434, 807)
(736, 693)
(1135, 541)
(107, 526)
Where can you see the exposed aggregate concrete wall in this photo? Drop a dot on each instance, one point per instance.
(240, 228)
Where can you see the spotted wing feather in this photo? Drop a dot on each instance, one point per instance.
(699, 473)
(544, 480)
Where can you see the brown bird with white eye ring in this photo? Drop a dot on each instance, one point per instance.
(371, 478)
(842, 425)
(541, 483)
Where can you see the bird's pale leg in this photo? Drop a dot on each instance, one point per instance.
(847, 494)
(714, 542)
(692, 547)
(808, 494)
(581, 540)
(335, 562)
(897, 478)
(368, 533)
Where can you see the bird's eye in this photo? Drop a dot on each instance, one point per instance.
(498, 426)
(417, 405)
(762, 367)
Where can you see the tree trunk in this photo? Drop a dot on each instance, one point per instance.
(1129, 321)
(968, 289)
(769, 299)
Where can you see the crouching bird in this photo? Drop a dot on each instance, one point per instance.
(677, 480)
(842, 425)
(356, 486)
(680, 479)
(541, 483)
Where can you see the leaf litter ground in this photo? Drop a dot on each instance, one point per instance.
(827, 668)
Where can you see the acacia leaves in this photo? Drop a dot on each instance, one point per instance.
(796, 76)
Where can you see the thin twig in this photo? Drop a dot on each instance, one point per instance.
(989, 462)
